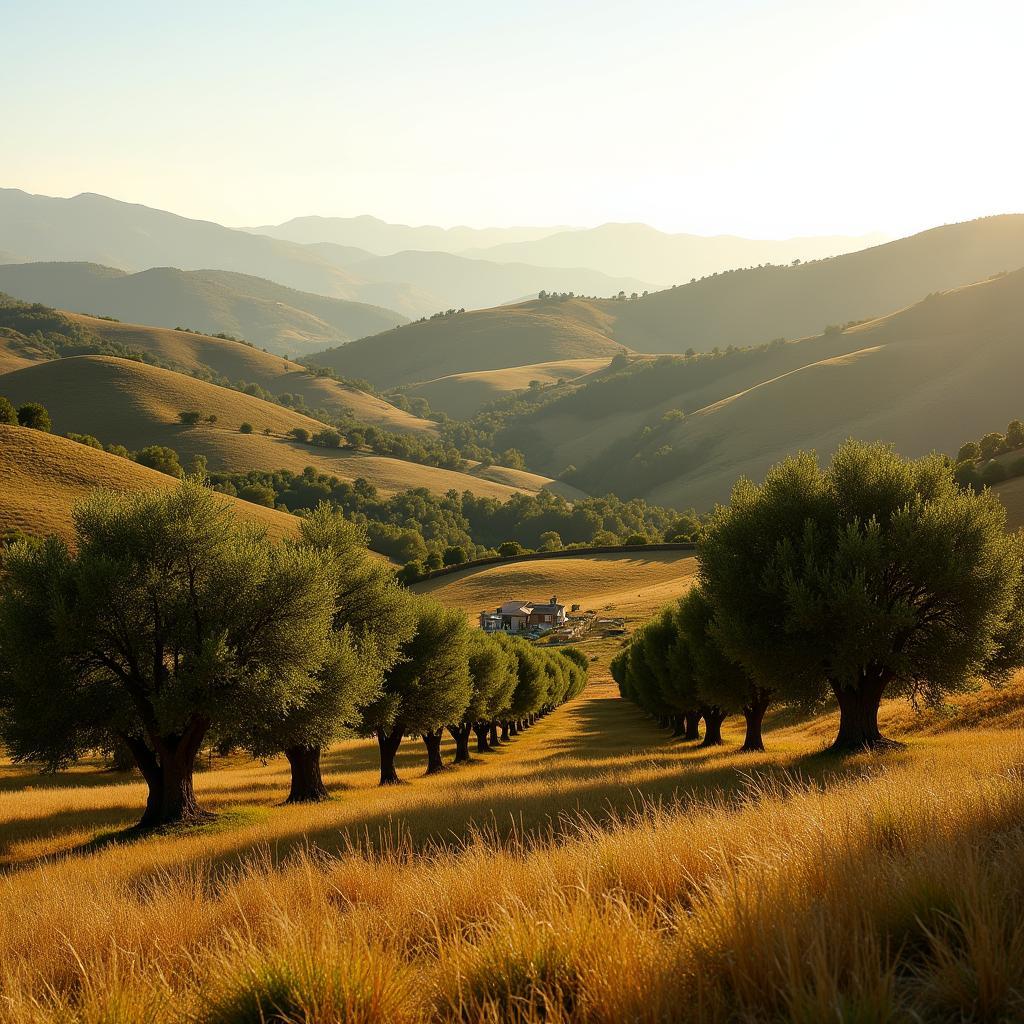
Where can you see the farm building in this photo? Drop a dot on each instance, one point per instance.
(520, 616)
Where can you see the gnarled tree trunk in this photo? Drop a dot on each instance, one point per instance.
(460, 733)
(307, 782)
(753, 715)
(692, 727)
(167, 765)
(505, 734)
(494, 734)
(858, 715)
(481, 729)
(432, 740)
(389, 743)
(713, 719)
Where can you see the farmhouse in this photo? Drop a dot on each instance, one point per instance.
(519, 616)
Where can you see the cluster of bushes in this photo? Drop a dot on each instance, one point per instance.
(976, 464)
(31, 414)
(430, 530)
(167, 628)
(873, 577)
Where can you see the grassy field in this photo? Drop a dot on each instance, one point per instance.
(632, 586)
(593, 870)
(42, 478)
(130, 403)
(461, 395)
(196, 352)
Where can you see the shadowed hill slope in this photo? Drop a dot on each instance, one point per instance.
(265, 313)
(748, 307)
(42, 478)
(489, 339)
(922, 378)
(240, 362)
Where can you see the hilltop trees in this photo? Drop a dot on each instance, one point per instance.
(874, 576)
(166, 622)
(427, 687)
(34, 416)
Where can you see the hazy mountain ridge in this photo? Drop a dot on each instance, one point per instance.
(283, 320)
(639, 250)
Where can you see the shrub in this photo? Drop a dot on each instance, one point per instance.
(455, 555)
(189, 417)
(300, 434)
(87, 439)
(329, 438)
(258, 494)
(8, 414)
(161, 458)
(993, 473)
(511, 548)
(636, 538)
(34, 416)
(245, 428)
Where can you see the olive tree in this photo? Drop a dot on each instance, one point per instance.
(493, 679)
(427, 686)
(874, 576)
(723, 686)
(165, 622)
(372, 618)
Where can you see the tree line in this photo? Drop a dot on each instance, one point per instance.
(167, 628)
(873, 577)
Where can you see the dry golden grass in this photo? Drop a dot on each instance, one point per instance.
(615, 875)
(42, 478)
(632, 586)
(11, 358)
(130, 403)
(463, 394)
(241, 362)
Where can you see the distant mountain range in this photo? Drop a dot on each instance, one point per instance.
(380, 238)
(94, 229)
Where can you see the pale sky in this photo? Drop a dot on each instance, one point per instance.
(766, 119)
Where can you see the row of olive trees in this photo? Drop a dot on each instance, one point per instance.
(872, 577)
(168, 627)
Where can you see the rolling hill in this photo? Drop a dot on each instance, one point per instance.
(461, 395)
(134, 404)
(923, 378)
(638, 250)
(200, 353)
(491, 339)
(42, 478)
(630, 585)
(268, 314)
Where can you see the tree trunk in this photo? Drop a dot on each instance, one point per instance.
(307, 782)
(482, 746)
(513, 727)
(858, 716)
(433, 744)
(494, 734)
(460, 733)
(692, 730)
(713, 719)
(753, 714)
(389, 743)
(678, 726)
(505, 734)
(168, 770)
